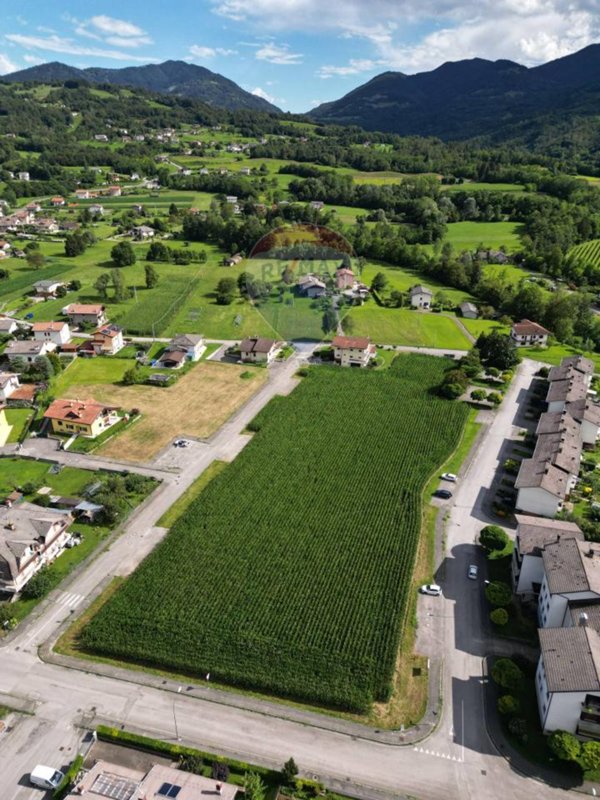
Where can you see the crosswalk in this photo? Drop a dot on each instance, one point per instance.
(69, 599)
(437, 754)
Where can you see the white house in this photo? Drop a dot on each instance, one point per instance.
(7, 326)
(9, 382)
(191, 343)
(527, 333)
(58, 333)
(533, 534)
(421, 297)
(96, 209)
(259, 349)
(567, 680)
(23, 176)
(571, 575)
(353, 351)
(30, 538)
(47, 288)
(469, 310)
(541, 488)
(560, 393)
(28, 350)
(143, 232)
(587, 414)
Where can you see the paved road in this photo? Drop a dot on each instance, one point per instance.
(457, 762)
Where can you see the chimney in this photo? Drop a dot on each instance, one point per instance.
(583, 620)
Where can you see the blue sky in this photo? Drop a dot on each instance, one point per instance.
(296, 53)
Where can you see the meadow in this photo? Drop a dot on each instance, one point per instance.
(468, 235)
(290, 572)
(401, 326)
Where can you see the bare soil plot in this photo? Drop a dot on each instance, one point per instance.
(198, 404)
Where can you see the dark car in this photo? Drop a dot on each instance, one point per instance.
(444, 494)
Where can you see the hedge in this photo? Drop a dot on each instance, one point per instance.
(64, 786)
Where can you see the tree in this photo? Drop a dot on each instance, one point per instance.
(289, 771)
(43, 367)
(471, 363)
(101, 285)
(254, 788)
(61, 291)
(226, 291)
(590, 756)
(35, 259)
(499, 617)
(57, 364)
(118, 282)
(18, 364)
(497, 350)
(39, 585)
(75, 245)
(75, 285)
(132, 376)
(564, 745)
(379, 282)
(123, 254)
(494, 398)
(508, 704)
(329, 322)
(151, 276)
(493, 537)
(478, 395)
(173, 210)
(498, 593)
(507, 674)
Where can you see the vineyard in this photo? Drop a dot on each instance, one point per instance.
(290, 573)
(588, 252)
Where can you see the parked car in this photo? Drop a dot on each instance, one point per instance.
(472, 572)
(180, 443)
(449, 476)
(444, 494)
(431, 588)
(45, 777)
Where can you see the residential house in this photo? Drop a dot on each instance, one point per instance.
(28, 350)
(468, 310)
(7, 326)
(33, 207)
(83, 417)
(101, 137)
(58, 333)
(233, 261)
(142, 232)
(30, 538)
(532, 536)
(561, 393)
(192, 344)
(172, 358)
(106, 341)
(571, 575)
(96, 210)
(57, 201)
(259, 349)
(527, 334)
(420, 297)
(134, 176)
(541, 488)
(9, 383)
(85, 314)
(311, 286)
(23, 176)
(47, 288)
(353, 351)
(68, 226)
(571, 365)
(231, 199)
(344, 278)
(587, 414)
(83, 194)
(45, 225)
(114, 191)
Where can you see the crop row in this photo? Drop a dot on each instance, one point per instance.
(290, 572)
(588, 252)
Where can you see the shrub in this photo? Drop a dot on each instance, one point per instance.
(254, 789)
(507, 674)
(290, 770)
(499, 616)
(192, 763)
(508, 705)
(38, 586)
(220, 771)
(493, 537)
(590, 756)
(518, 727)
(564, 745)
(498, 593)
(494, 398)
(478, 395)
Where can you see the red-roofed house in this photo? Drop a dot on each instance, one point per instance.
(353, 351)
(84, 417)
(114, 191)
(527, 333)
(106, 341)
(57, 332)
(344, 278)
(57, 201)
(82, 314)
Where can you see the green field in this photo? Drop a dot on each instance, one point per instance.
(468, 235)
(475, 186)
(290, 572)
(84, 372)
(402, 279)
(403, 327)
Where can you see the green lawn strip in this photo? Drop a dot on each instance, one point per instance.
(341, 666)
(181, 505)
(477, 326)
(84, 372)
(555, 354)
(17, 418)
(85, 445)
(477, 186)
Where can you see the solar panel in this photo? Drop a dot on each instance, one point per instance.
(169, 790)
(113, 786)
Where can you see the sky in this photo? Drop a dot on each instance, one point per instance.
(295, 53)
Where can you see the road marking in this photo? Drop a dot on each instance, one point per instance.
(437, 754)
(69, 599)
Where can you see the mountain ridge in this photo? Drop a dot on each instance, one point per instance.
(170, 77)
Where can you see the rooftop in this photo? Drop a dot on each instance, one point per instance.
(571, 658)
(48, 326)
(85, 412)
(420, 289)
(572, 566)
(574, 388)
(351, 342)
(534, 533)
(528, 328)
(23, 527)
(557, 422)
(257, 345)
(82, 308)
(540, 474)
(562, 449)
(569, 365)
(584, 409)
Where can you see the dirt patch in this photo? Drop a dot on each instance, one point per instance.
(198, 404)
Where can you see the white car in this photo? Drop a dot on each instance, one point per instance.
(473, 572)
(45, 777)
(449, 476)
(432, 589)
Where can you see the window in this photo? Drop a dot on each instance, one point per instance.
(169, 790)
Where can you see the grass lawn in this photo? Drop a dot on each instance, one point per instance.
(402, 279)
(477, 326)
(555, 354)
(404, 327)
(196, 405)
(181, 505)
(476, 186)
(83, 372)
(468, 235)
(17, 418)
(15, 472)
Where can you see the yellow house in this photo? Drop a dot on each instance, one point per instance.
(83, 417)
(5, 428)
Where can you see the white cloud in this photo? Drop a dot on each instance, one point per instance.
(354, 67)
(133, 41)
(59, 44)
(6, 65)
(265, 95)
(278, 54)
(29, 59)
(108, 30)
(200, 51)
(116, 27)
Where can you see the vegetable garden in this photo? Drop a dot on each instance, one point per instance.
(290, 572)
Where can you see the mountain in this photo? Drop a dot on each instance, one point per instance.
(172, 77)
(475, 97)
